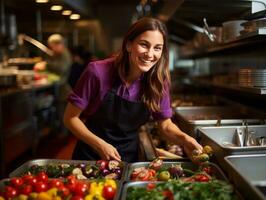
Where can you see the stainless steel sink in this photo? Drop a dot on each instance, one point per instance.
(247, 172)
(219, 138)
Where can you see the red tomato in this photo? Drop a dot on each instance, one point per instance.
(27, 177)
(42, 176)
(152, 172)
(209, 170)
(26, 189)
(16, 182)
(40, 187)
(76, 197)
(55, 183)
(102, 164)
(168, 195)
(72, 179)
(63, 191)
(150, 186)
(80, 189)
(10, 192)
(144, 175)
(108, 192)
(201, 178)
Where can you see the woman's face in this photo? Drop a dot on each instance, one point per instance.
(145, 51)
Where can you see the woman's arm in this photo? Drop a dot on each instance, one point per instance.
(174, 134)
(78, 128)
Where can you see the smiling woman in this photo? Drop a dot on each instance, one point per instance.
(118, 95)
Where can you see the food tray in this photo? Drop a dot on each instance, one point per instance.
(144, 183)
(216, 136)
(116, 197)
(185, 165)
(247, 172)
(189, 119)
(148, 151)
(23, 168)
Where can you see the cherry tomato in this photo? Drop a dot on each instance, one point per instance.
(150, 186)
(209, 170)
(76, 197)
(201, 178)
(63, 191)
(16, 182)
(80, 189)
(40, 187)
(42, 176)
(108, 192)
(29, 179)
(26, 189)
(10, 192)
(102, 164)
(55, 183)
(144, 175)
(168, 195)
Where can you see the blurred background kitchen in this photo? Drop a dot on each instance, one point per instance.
(217, 58)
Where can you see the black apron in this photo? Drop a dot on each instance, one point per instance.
(117, 122)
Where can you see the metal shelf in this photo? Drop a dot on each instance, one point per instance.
(252, 38)
(253, 90)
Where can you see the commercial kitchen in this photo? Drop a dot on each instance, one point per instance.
(217, 62)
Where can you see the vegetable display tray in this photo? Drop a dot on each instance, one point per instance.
(143, 184)
(217, 137)
(42, 162)
(116, 197)
(218, 173)
(189, 119)
(247, 172)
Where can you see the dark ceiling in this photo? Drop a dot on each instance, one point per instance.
(183, 14)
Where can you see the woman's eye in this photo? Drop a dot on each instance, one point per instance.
(143, 45)
(158, 48)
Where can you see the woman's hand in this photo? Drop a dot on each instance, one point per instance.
(108, 152)
(190, 144)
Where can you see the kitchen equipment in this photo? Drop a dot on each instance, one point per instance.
(252, 77)
(219, 138)
(8, 78)
(189, 119)
(42, 162)
(231, 30)
(253, 25)
(247, 172)
(218, 173)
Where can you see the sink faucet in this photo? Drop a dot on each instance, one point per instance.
(45, 49)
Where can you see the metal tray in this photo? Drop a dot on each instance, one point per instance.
(22, 169)
(189, 119)
(247, 172)
(116, 197)
(144, 183)
(198, 100)
(218, 173)
(216, 136)
(148, 151)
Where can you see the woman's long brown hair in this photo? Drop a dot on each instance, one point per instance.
(157, 79)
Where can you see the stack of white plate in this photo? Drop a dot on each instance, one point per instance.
(252, 77)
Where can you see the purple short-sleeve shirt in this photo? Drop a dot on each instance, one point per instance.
(97, 80)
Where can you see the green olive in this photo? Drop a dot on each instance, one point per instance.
(164, 176)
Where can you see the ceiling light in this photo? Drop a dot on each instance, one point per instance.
(74, 16)
(66, 12)
(41, 1)
(56, 7)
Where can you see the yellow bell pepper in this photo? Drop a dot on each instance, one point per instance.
(111, 183)
(44, 196)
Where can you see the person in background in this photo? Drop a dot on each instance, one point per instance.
(59, 63)
(81, 58)
(119, 94)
